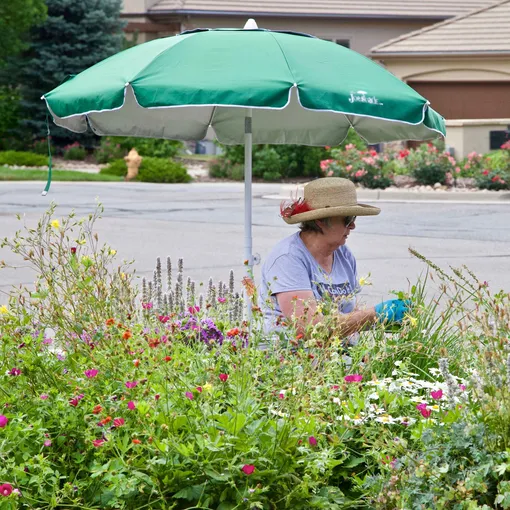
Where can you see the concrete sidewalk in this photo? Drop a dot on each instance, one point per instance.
(410, 195)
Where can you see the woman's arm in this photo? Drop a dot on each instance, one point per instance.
(302, 306)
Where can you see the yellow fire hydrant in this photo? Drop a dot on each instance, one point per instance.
(133, 161)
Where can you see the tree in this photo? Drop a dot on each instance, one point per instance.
(75, 36)
(16, 19)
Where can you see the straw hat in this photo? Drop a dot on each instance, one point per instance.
(325, 198)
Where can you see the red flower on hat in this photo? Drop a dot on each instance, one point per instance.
(298, 206)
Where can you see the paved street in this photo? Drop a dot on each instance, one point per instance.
(203, 223)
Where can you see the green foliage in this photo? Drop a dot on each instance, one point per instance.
(74, 152)
(15, 158)
(117, 167)
(116, 147)
(17, 17)
(9, 113)
(270, 162)
(162, 170)
(367, 168)
(430, 165)
(74, 36)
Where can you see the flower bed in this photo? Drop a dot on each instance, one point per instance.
(161, 398)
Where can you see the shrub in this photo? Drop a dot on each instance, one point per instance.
(162, 170)
(74, 151)
(428, 165)
(15, 158)
(109, 150)
(40, 146)
(364, 167)
(117, 167)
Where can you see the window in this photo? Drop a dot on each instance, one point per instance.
(346, 43)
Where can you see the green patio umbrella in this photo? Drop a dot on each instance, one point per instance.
(250, 86)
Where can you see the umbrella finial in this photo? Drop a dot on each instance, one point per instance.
(251, 24)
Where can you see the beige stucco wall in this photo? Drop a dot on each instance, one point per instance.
(136, 6)
(466, 136)
(439, 68)
(363, 34)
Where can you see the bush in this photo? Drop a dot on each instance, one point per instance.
(74, 151)
(364, 167)
(162, 170)
(15, 158)
(428, 165)
(117, 167)
(116, 147)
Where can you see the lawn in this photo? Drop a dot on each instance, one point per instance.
(8, 174)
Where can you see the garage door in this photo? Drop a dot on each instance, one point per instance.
(473, 100)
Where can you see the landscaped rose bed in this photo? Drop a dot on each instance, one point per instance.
(163, 400)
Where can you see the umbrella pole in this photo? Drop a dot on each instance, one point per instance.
(248, 248)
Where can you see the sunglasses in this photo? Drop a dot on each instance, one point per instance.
(349, 220)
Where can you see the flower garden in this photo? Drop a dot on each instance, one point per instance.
(116, 393)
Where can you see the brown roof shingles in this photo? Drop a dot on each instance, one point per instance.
(423, 9)
(483, 31)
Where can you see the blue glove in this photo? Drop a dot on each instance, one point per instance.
(392, 310)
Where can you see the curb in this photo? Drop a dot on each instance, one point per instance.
(408, 195)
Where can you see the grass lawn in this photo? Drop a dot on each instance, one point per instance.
(8, 174)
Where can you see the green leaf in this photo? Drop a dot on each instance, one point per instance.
(192, 493)
(226, 506)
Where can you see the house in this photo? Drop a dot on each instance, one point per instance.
(462, 66)
(456, 53)
(357, 25)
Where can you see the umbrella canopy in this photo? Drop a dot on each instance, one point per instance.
(302, 90)
(249, 86)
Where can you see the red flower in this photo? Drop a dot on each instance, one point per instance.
(97, 409)
(233, 332)
(157, 396)
(199, 389)
(353, 378)
(248, 469)
(423, 410)
(163, 318)
(118, 422)
(110, 322)
(223, 377)
(288, 209)
(437, 395)
(136, 441)
(73, 250)
(168, 358)
(136, 362)
(127, 334)
(6, 489)
(74, 401)
(98, 442)
(106, 420)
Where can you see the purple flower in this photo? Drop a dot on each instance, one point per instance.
(131, 384)
(312, 441)
(48, 341)
(15, 371)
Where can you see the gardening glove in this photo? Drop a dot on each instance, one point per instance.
(392, 310)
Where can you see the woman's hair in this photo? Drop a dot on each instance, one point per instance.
(312, 225)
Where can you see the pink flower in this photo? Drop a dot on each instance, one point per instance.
(163, 318)
(147, 306)
(423, 410)
(221, 300)
(199, 389)
(74, 401)
(281, 396)
(189, 395)
(353, 378)
(47, 442)
(15, 371)
(335, 387)
(193, 309)
(118, 422)
(131, 384)
(437, 395)
(312, 441)
(91, 373)
(248, 469)
(43, 396)
(462, 387)
(223, 377)
(157, 396)
(6, 489)
(131, 405)
(3, 421)
(98, 442)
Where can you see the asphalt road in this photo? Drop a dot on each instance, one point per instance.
(203, 223)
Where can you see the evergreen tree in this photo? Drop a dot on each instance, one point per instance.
(75, 36)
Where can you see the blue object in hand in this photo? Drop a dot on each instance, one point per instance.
(392, 310)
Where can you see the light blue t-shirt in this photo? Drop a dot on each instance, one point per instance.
(291, 267)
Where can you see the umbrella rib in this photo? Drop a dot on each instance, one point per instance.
(212, 116)
(285, 58)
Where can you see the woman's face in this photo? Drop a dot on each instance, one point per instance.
(336, 231)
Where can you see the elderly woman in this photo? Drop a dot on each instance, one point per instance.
(315, 264)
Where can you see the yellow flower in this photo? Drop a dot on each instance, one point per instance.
(207, 387)
(3, 309)
(123, 276)
(81, 241)
(55, 224)
(113, 252)
(364, 280)
(412, 320)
